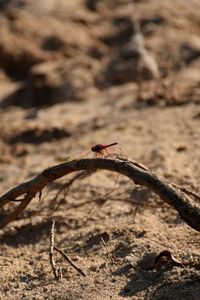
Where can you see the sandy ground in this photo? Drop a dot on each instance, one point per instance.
(77, 73)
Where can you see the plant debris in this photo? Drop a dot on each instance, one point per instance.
(164, 259)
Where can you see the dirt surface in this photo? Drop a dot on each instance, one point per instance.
(77, 73)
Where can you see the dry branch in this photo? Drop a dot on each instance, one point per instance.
(188, 209)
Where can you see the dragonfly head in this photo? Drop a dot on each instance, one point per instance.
(96, 148)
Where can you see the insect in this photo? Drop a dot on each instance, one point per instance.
(101, 149)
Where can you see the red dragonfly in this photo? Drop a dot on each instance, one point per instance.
(101, 149)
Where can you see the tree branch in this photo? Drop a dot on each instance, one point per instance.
(188, 209)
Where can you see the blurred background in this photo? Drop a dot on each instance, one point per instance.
(75, 73)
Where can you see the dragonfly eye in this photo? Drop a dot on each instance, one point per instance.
(96, 148)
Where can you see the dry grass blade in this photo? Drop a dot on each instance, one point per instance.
(51, 252)
(66, 257)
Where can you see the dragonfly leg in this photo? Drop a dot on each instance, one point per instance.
(100, 153)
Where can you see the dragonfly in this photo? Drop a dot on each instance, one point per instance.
(99, 150)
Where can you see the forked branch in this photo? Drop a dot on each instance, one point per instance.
(188, 209)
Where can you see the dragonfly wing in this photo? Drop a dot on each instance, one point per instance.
(81, 155)
(73, 156)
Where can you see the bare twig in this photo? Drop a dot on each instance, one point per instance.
(186, 191)
(111, 257)
(188, 209)
(51, 252)
(66, 257)
(40, 195)
(58, 272)
(66, 187)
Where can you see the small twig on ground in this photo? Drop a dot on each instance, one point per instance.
(58, 272)
(65, 256)
(51, 252)
(111, 257)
